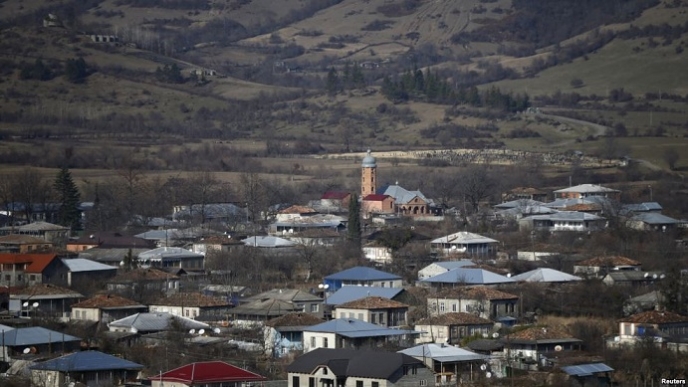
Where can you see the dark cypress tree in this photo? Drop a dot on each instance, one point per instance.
(333, 85)
(69, 199)
(354, 226)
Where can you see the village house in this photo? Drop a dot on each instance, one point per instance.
(362, 276)
(193, 305)
(349, 367)
(140, 281)
(302, 301)
(85, 368)
(105, 308)
(633, 278)
(667, 329)
(441, 267)
(177, 257)
(24, 244)
(216, 244)
(374, 204)
(451, 328)
(376, 310)
(284, 334)
(563, 221)
(451, 365)
(28, 269)
(44, 300)
(82, 272)
(485, 302)
(353, 333)
(258, 312)
(524, 193)
(524, 348)
(108, 240)
(142, 323)
(587, 190)
(335, 199)
(598, 267)
(465, 243)
(208, 373)
(38, 340)
(51, 233)
(650, 221)
(463, 277)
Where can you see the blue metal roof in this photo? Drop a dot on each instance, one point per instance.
(35, 336)
(586, 369)
(353, 328)
(87, 361)
(361, 273)
(351, 293)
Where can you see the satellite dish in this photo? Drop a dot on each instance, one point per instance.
(483, 367)
(192, 331)
(217, 331)
(488, 374)
(25, 304)
(121, 263)
(201, 331)
(495, 335)
(35, 304)
(485, 336)
(654, 276)
(133, 330)
(558, 348)
(26, 351)
(662, 276)
(508, 275)
(646, 275)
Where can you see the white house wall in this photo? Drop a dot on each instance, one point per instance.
(315, 340)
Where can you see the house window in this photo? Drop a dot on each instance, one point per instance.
(325, 342)
(312, 342)
(381, 318)
(414, 370)
(324, 369)
(406, 370)
(19, 277)
(301, 307)
(32, 277)
(441, 306)
(295, 382)
(375, 384)
(359, 383)
(314, 308)
(372, 318)
(423, 382)
(311, 382)
(7, 277)
(453, 307)
(360, 316)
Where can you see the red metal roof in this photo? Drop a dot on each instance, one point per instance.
(208, 372)
(375, 197)
(36, 262)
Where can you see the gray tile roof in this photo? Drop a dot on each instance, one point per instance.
(162, 253)
(402, 195)
(463, 238)
(567, 216)
(443, 353)
(654, 218)
(544, 274)
(158, 321)
(87, 361)
(469, 277)
(353, 363)
(586, 369)
(268, 242)
(355, 328)
(76, 265)
(586, 188)
(362, 273)
(35, 336)
(521, 203)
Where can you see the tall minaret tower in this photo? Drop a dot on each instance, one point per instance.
(368, 175)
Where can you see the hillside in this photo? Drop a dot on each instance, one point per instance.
(309, 74)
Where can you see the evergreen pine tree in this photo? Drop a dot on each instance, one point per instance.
(332, 82)
(354, 226)
(357, 77)
(69, 199)
(346, 76)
